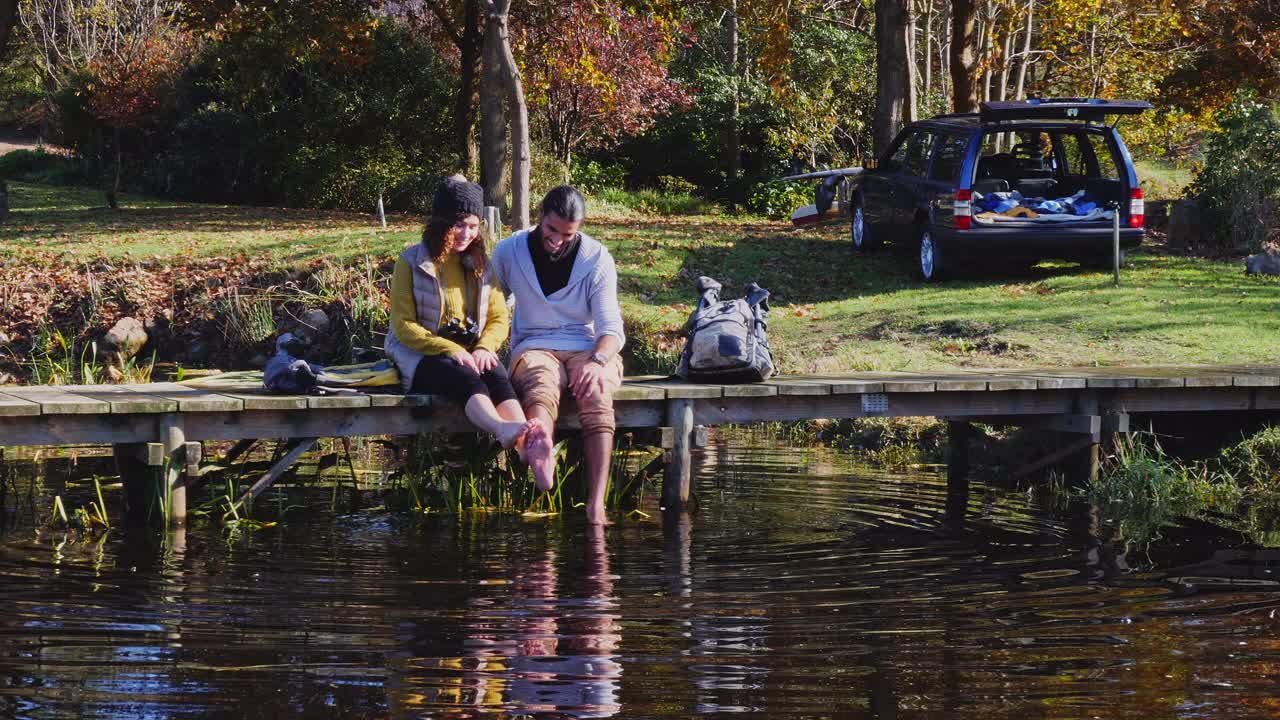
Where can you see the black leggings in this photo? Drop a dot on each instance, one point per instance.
(442, 375)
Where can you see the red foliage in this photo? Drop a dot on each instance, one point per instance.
(124, 91)
(595, 72)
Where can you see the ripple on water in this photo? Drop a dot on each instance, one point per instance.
(805, 586)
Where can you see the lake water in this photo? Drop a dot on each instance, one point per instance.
(804, 586)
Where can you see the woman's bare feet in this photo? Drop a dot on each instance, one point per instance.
(538, 453)
(510, 433)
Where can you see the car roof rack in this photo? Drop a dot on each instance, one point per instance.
(1062, 108)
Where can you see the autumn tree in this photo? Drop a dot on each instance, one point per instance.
(598, 75)
(121, 53)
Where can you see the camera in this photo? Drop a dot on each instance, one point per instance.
(464, 332)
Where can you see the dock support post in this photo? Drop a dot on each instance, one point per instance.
(676, 473)
(173, 438)
(1090, 456)
(959, 433)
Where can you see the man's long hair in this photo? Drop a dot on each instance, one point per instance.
(438, 237)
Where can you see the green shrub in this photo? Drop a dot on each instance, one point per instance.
(1255, 461)
(593, 177)
(39, 166)
(676, 185)
(777, 199)
(653, 202)
(1240, 181)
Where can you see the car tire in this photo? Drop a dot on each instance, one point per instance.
(860, 236)
(931, 264)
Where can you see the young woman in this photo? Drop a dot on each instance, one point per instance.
(448, 319)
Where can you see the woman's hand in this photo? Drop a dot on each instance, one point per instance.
(486, 360)
(466, 360)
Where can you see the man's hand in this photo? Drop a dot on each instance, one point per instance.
(588, 378)
(464, 358)
(485, 360)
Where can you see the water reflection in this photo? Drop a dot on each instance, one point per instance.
(804, 586)
(549, 645)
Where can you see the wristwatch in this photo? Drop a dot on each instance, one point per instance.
(599, 358)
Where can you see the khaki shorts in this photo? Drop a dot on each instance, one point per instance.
(540, 378)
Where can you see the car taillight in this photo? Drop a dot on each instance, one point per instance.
(964, 209)
(1137, 208)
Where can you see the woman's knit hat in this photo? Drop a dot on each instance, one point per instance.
(455, 196)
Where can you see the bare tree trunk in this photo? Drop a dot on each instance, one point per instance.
(944, 53)
(1026, 52)
(964, 50)
(913, 70)
(985, 53)
(928, 50)
(521, 158)
(495, 175)
(893, 71)
(1006, 64)
(735, 112)
(471, 48)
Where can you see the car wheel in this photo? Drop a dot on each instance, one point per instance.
(932, 265)
(860, 231)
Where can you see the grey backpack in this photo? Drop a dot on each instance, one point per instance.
(726, 340)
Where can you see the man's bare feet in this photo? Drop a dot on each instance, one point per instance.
(522, 440)
(597, 516)
(538, 453)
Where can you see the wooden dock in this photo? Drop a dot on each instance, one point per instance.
(165, 423)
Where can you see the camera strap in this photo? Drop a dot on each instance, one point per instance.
(466, 295)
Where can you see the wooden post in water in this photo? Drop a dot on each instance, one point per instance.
(676, 473)
(958, 433)
(173, 438)
(1090, 456)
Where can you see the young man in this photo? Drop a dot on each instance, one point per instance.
(566, 329)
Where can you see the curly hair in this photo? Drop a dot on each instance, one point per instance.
(438, 237)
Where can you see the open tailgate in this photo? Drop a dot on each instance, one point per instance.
(1090, 109)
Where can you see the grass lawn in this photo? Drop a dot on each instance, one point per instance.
(832, 310)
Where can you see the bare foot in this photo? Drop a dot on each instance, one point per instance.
(597, 517)
(522, 441)
(509, 433)
(538, 452)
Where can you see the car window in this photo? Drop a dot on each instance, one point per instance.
(918, 154)
(898, 157)
(1107, 167)
(1077, 155)
(948, 157)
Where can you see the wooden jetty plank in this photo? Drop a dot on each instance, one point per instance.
(853, 385)
(633, 391)
(189, 399)
(56, 400)
(262, 399)
(122, 400)
(92, 428)
(1184, 399)
(907, 404)
(397, 400)
(11, 406)
(951, 381)
(679, 389)
(338, 401)
(750, 390)
(873, 382)
(798, 385)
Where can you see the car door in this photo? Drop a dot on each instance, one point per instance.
(944, 178)
(878, 188)
(911, 184)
